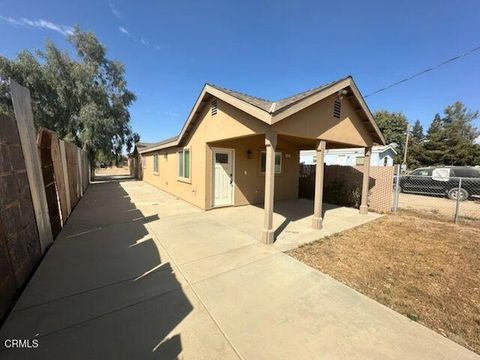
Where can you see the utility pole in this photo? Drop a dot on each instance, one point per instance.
(405, 150)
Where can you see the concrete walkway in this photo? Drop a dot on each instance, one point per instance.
(138, 274)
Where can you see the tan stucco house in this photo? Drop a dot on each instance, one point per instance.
(235, 149)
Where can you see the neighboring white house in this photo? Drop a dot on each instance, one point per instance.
(381, 156)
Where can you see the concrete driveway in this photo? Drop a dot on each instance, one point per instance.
(137, 273)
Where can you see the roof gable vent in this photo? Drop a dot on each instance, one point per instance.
(337, 109)
(214, 107)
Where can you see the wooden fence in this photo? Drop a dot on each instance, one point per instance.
(41, 180)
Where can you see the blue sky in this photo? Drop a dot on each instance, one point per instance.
(270, 49)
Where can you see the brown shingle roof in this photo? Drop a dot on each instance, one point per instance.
(166, 141)
(274, 106)
(252, 100)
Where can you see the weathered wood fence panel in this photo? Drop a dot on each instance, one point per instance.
(20, 249)
(44, 142)
(60, 178)
(41, 180)
(26, 131)
(73, 174)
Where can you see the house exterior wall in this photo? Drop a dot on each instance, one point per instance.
(317, 121)
(249, 181)
(233, 128)
(229, 122)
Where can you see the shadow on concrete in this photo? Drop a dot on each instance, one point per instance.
(293, 210)
(104, 290)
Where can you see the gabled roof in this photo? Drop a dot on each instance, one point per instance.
(274, 106)
(271, 112)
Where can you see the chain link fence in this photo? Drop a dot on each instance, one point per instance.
(434, 191)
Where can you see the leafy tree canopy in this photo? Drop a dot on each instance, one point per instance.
(450, 138)
(85, 100)
(393, 125)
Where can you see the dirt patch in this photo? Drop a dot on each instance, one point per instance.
(422, 267)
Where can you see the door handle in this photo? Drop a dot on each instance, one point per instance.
(231, 179)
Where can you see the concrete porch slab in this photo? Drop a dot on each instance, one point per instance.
(292, 221)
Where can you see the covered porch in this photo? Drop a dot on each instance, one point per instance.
(264, 173)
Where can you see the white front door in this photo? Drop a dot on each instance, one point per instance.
(223, 177)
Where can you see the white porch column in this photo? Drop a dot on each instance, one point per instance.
(366, 181)
(270, 144)
(319, 173)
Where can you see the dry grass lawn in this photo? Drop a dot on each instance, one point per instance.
(424, 268)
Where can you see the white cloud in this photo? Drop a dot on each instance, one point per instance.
(124, 31)
(114, 9)
(140, 40)
(38, 24)
(12, 21)
(477, 140)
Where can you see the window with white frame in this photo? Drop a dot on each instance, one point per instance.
(184, 164)
(155, 163)
(278, 162)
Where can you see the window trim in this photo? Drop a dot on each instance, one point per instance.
(281, 161)
(181, 157)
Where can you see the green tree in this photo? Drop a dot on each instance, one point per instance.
(415, 155)
(417, 131)
(394, 127)
(434, 142)
(450, 139)
(460, 135)
(84, 100)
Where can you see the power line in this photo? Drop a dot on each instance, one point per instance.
(425, 71)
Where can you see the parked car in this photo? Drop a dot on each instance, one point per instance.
(443, 181)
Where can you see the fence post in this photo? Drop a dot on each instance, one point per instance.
(397, 188)
(457, 205)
